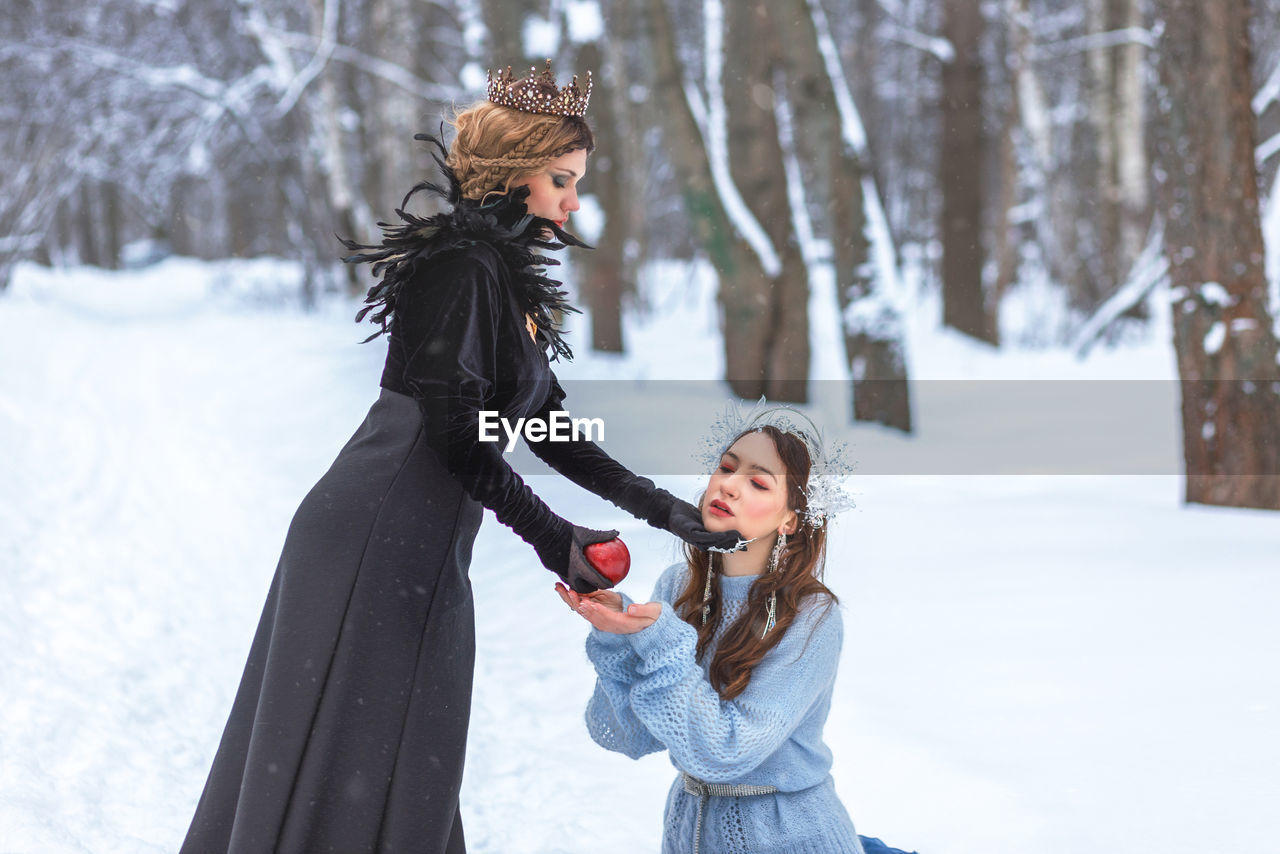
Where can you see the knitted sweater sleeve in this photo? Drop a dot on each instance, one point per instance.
(611, 721)
(720, 740)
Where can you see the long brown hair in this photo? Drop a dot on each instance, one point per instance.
(497, 146)
(797, 577)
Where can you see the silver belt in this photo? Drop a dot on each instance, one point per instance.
(694, 786)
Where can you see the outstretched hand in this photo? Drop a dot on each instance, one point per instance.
(603, 610)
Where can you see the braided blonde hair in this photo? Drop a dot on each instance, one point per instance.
(495, 147)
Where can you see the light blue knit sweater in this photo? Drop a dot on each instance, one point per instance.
(652, 694)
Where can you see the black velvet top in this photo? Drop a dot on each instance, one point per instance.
(459, 331)
(458, 346)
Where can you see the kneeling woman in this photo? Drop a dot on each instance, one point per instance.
(731, 667)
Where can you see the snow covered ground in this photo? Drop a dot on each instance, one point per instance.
(1043, 663)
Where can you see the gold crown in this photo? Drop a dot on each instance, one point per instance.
(538, 93)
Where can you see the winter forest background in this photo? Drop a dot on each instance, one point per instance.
(1023, 254)
(977, 149)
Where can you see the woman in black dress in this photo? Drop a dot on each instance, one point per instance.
(348, 731)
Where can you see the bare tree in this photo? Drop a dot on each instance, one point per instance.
(740, 252)
(1223, 329)
(606, 272)
(755, 159)
(506, 21)
(961, 165)
(833, 141)
(1117, 196)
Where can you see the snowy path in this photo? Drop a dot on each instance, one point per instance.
(1033, 664)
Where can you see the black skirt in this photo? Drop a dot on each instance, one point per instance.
(349, 729)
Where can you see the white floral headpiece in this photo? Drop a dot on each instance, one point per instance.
(828, 490)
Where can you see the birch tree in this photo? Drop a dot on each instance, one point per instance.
(1117, 116)
(756, 167)
(833, 139)
(739, 250)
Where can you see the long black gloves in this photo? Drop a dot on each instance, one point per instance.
(585, 464)
(685, 521)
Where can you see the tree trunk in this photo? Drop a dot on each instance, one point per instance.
(1132, 168)
(841, 179)
(603, 269)
(961, 163)
(395, 111)
(86, 214)
(1105, 222)
(744, 284)
(1007, 238)
(242, 201)
(636, 118)
(1043, 187)
(1223, 330)
(1116, 114)
(111, 215)
(756, 163)
(506, 20)
(344, 201)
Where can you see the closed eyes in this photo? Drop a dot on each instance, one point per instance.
(725, 469)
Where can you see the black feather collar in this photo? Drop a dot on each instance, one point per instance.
(505, 225)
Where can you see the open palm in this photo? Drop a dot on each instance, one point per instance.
(603, 610)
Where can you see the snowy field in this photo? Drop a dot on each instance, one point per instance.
(1034, 663)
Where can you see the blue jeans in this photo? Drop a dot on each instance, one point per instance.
(874, 846)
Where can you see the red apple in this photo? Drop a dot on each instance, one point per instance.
(610, 558)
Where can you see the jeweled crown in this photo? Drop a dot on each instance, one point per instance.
(538, 93)
(828, 491)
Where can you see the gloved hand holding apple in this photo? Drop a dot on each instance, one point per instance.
(610, 558)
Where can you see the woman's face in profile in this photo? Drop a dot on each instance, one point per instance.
(553, 191)
(748, 491)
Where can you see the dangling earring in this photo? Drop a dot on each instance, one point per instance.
(771, 617)
(706, 592)
(776, 555)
